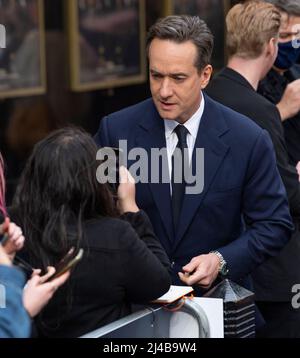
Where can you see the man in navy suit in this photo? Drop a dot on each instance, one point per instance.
(241, 216)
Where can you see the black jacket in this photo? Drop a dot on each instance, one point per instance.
(274, 279)
(120, 266)
(234, 91)
(272, 87)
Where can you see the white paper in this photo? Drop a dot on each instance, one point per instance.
(174, 293)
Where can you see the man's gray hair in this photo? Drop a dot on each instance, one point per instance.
(183, 28)
(291, 7)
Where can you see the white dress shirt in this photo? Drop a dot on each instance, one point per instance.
(192, 125)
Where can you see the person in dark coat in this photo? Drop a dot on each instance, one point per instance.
(281, 85)
(60, 205)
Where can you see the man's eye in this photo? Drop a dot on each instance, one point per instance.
(179, 79)
(156, 76)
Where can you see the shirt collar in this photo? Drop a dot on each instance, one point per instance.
(192, 124)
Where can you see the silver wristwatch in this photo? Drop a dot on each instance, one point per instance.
(223, 270)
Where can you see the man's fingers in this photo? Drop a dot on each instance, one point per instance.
(191, 266)
(196, 278)
(183, 277)
(201, 270)
(192, 279)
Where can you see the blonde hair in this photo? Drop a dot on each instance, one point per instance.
(250, 26)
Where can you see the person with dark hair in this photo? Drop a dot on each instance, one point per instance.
(252, 33)
(281, 85)
(239, 216)
(60, 204)
(18, 305)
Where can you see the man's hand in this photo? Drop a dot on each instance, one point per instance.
(289, 105)
(202, 270)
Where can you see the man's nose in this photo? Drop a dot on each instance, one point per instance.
(166, 89)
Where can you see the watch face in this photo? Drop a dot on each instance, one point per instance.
(224, 270)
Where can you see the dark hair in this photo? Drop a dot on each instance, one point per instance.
(185, 28)
(2, 188)
(58, 191)
(291, 7)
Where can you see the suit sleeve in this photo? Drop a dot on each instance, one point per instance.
(265, 211)
(145, 263)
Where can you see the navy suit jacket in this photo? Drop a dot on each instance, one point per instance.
(242, 211)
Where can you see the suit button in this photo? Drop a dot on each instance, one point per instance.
(172, 264)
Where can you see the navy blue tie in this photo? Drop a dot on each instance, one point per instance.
(178, 159)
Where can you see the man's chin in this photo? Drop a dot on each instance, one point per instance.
(167, 115)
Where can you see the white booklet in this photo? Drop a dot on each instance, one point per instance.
(174, 294)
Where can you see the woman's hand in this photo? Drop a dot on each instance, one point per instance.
(126, 192)
(4, 259)
(15, 239)
(37, 292)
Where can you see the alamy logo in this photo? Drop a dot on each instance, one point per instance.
(152, 167)
(2, 36)
(2, 296)
(296, 297)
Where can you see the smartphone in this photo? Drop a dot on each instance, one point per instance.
(68, 262)
(114, 163)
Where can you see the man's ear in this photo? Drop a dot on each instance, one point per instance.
(205, 76)
(272, 47)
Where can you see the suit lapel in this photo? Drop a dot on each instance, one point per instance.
(211, 128)
(151, 134)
